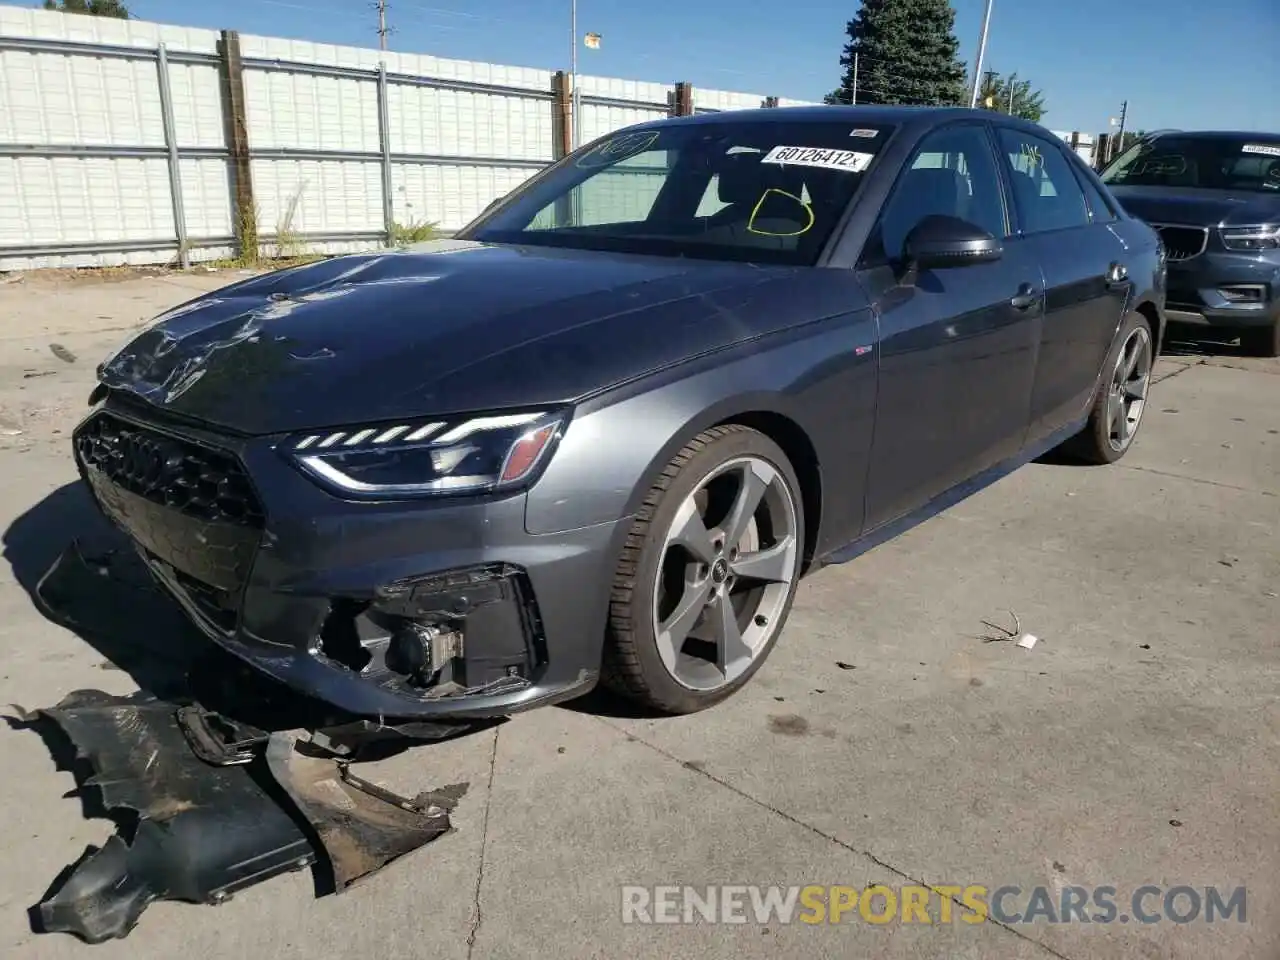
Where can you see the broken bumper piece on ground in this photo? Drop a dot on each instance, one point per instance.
(206, 830)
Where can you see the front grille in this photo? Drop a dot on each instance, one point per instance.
(196, 480)
(1182, 242)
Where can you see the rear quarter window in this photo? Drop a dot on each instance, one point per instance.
(1100, 208)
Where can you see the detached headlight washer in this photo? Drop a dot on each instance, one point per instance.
(430, 458)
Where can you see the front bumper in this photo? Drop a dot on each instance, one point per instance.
(412, 609)
(1198, 290)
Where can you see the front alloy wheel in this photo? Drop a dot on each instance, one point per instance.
(720, 589)
(709, 574)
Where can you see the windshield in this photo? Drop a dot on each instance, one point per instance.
(1215, 163)
(770, 191)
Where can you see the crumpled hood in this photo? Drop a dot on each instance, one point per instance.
(448, 327)
(1201, 208)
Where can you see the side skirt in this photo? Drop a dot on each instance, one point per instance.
(944, 501)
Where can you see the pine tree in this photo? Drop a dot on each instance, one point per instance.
(94, 8)
(906, 52)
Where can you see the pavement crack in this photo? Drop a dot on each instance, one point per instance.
(476, 915)
(830, 838)
(1181, 370)
(1190, 479)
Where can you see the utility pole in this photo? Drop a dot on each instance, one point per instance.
(382, 24)
(576, 99)
(982, 52)
(1114, 138)
(853, 100)
(1013, 79)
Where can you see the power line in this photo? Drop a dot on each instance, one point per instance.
(419, 14)
(444, 12)
(903, 100)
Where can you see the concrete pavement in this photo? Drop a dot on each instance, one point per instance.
(884, 743)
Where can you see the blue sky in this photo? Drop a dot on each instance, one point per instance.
(1179, 63)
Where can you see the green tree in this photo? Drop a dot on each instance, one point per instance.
(994, 94)
(94, 8)
(906, 54)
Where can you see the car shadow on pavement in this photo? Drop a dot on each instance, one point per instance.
(603, 702)
(121, 616)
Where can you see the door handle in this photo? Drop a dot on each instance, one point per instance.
(1117, 275)
(1026, 297)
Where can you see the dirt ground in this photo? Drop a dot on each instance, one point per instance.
(884, 742)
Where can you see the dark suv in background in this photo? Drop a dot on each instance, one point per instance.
(1214, 197)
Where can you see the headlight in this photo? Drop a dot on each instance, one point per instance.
(423, 458)
(1251, 238)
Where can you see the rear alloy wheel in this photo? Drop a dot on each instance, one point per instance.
(1122, 396)
(1261, 341)
(709, 573)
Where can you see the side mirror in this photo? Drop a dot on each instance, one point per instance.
(941, 241)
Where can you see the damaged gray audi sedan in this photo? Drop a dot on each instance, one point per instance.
(603, 432)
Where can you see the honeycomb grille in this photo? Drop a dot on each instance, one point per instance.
(198, 481)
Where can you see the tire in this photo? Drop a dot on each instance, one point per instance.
(657, 576)
(1097, 442)
(1261, 341)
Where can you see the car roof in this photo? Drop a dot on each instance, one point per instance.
(877, 114)
(1220, 134)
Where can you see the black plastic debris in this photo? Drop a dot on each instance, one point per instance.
(207, 829)
(202, 833)
(216, 739)
(218, 778)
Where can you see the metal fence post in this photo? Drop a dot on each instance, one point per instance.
(384, 140)
(171, 143)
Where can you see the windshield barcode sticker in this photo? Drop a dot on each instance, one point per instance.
(1267, 150)
(848, 160)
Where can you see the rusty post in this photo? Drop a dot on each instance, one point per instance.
(231, 67)
(683, 104)
(561, 109)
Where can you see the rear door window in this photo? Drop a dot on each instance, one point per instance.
(1045, 189)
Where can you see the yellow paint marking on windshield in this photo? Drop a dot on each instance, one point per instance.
(751, 228)
(617, 149)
